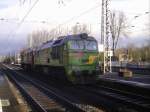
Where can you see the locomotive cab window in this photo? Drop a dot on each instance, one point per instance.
(83, 45)
(91, 45)
(76, 44)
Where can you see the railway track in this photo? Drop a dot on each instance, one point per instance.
(128, 99)
(86, 101)
(114, 99)
(135, 89)
(40, 98)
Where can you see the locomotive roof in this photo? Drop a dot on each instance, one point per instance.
(61, 40)
(45, 45)
(28, 50)
(79, 36)
(64, 39)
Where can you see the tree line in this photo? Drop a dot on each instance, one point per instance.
(136, 54)
(38, 37)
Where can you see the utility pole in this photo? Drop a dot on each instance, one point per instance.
(105, 30)
(102, 22)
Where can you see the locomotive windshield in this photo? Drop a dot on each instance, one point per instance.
(76, 44)
(82, 45)
(90, 45)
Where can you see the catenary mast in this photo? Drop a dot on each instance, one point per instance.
(105, 34)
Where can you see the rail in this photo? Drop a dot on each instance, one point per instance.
(59, 99)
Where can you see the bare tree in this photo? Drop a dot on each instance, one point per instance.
(36, 38)
(148, 33)
(81, 28)
(22, 2)
(118, 26)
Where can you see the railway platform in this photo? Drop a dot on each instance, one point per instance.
(10, 98)
(136, 80)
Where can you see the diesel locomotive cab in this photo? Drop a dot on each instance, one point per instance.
(83, 58)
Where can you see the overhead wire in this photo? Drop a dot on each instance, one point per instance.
(12, 32)
(28, 12)
(77, 16)
(22, 20)
(137, 17)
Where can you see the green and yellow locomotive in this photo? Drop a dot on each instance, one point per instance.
(74, 57)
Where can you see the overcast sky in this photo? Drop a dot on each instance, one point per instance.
(68, 13)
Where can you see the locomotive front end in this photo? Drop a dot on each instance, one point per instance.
(83, 60)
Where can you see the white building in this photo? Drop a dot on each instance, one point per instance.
(2, 58)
